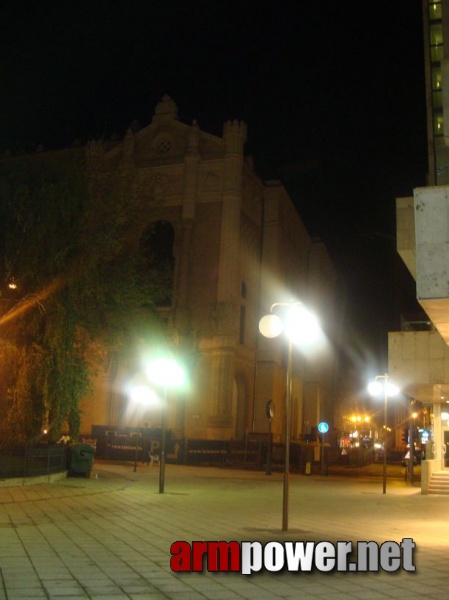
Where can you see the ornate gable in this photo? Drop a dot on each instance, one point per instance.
(164, 141)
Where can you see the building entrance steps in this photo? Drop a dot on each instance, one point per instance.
(439, 483)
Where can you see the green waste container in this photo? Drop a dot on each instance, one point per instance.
(81, 459)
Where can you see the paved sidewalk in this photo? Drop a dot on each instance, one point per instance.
(109, 537)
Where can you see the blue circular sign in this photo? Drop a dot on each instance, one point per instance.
(323, 427)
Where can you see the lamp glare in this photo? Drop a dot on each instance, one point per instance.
(375, 388)
(142, 394)
(166, 372)
(301, 326)
(391, 389)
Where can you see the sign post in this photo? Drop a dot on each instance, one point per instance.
(269, 412)
(323, 428)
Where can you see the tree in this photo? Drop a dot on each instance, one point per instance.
(69, 245)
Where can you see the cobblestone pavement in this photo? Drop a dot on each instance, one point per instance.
(109, 537)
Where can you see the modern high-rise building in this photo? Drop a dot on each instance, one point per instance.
(436, 30)
(419, 355)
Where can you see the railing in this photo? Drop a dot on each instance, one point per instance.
(32, 461)
(250, 453)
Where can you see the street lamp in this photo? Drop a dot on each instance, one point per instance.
(141, 394)
(166, 373)
(301, 327)
(375, 388)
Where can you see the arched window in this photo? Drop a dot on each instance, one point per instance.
(157, 261)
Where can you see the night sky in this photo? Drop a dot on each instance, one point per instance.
(333, 94)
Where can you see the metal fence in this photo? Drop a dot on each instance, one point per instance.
(33, 460)
(251, 453)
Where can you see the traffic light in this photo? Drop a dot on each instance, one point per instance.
(405, 435)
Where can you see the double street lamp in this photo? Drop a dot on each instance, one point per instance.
(388, 390)
(301, 328)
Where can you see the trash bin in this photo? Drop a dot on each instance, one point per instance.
(81, 459)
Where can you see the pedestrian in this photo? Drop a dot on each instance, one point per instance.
(146, 446)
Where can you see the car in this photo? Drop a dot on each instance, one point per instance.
(418, 456)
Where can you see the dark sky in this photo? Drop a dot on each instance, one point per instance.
(333, 94)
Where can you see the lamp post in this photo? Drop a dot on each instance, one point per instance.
(166, 373)
(412, 454)
(375, 388)
(301, 327)
(142, 395)
(269, 413)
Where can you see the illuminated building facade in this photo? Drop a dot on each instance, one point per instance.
(236, 245)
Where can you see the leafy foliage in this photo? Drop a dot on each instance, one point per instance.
(69, 242)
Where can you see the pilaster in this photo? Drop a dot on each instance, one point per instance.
(234, 134)
(220, 354)
(191, 166)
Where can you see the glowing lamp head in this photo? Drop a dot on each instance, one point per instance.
(375, 388)
(270, 326)
(301, 326)
(142, 394)
(391, 389)
(166, 372)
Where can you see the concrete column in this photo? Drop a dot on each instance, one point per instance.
(438, 435)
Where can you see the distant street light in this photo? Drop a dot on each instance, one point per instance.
(302, 328)
(166, 373)
(375, 388)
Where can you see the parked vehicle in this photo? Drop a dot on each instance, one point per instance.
(418, 456)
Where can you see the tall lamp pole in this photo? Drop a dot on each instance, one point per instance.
(141, 394)
(166, 373)
(269, 412)
(301, 327)
(288, 413)
(386, 389)
(163, 444)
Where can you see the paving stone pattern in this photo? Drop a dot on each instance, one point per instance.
(109, 537)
